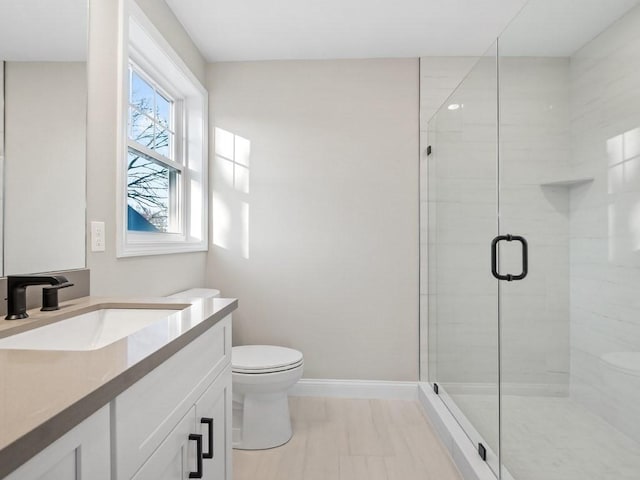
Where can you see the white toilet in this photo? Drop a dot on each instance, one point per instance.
(262, 376)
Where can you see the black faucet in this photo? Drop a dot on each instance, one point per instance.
(17, 293)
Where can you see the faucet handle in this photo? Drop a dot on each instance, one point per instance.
(50, 296)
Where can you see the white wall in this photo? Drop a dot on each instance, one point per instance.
(45, 169)
(315, 208)
(152, 275)
(605, 221)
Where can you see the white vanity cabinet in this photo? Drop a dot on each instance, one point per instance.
(213, 419)
(182, 406)
(177, 456)
(174, 423)
(81, 453)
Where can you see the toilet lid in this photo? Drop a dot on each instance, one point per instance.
(264, 358)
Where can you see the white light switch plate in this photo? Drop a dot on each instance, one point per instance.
(97, 237)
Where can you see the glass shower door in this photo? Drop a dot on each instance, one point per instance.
(462, 220)
(570, 184)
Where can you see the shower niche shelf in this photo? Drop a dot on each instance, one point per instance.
(567, 182)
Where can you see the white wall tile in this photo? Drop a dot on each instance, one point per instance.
(463, 205)
(604, 232)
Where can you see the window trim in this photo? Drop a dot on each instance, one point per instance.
(138, 35)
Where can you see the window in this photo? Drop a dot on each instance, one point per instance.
(162, 176)
(154, 164)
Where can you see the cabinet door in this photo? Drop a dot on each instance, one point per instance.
(148, 410)
(82, 453)
(175, 458)
(213, 416)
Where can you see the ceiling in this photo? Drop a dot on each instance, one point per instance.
(558, 28)
(232, 30)
(43, 30)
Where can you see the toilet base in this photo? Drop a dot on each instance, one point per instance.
(260, 421)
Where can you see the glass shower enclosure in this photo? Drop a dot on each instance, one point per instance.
(531, 284)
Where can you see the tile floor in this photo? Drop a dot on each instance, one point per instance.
(351, 439)
(554, 438)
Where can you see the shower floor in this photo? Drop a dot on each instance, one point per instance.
(554, 438)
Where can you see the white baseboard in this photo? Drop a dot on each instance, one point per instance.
(309, 387)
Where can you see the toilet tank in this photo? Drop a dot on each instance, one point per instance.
(196, 293)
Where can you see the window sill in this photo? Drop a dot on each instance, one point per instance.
(146, 249)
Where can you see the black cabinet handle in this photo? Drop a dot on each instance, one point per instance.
(209, 423)
(494, 257)
(198, 440)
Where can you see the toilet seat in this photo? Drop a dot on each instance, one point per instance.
(263, 359)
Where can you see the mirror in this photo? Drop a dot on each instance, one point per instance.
(43, 49)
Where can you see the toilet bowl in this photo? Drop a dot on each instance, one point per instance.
(261, 378)
(262, 375)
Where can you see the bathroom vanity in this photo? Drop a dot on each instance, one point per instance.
(155, 404)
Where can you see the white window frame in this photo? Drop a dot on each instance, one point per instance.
(176, 160)
(144, 46)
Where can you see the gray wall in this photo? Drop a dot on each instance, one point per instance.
(315, 191)
(152, 275)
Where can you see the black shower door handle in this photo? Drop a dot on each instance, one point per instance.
(494, 257)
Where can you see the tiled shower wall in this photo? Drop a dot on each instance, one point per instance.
(605, 222)
(563, 119)
(461, 223)
(534, 155)
(535, 318)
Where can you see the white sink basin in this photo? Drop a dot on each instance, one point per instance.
(88, 331)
